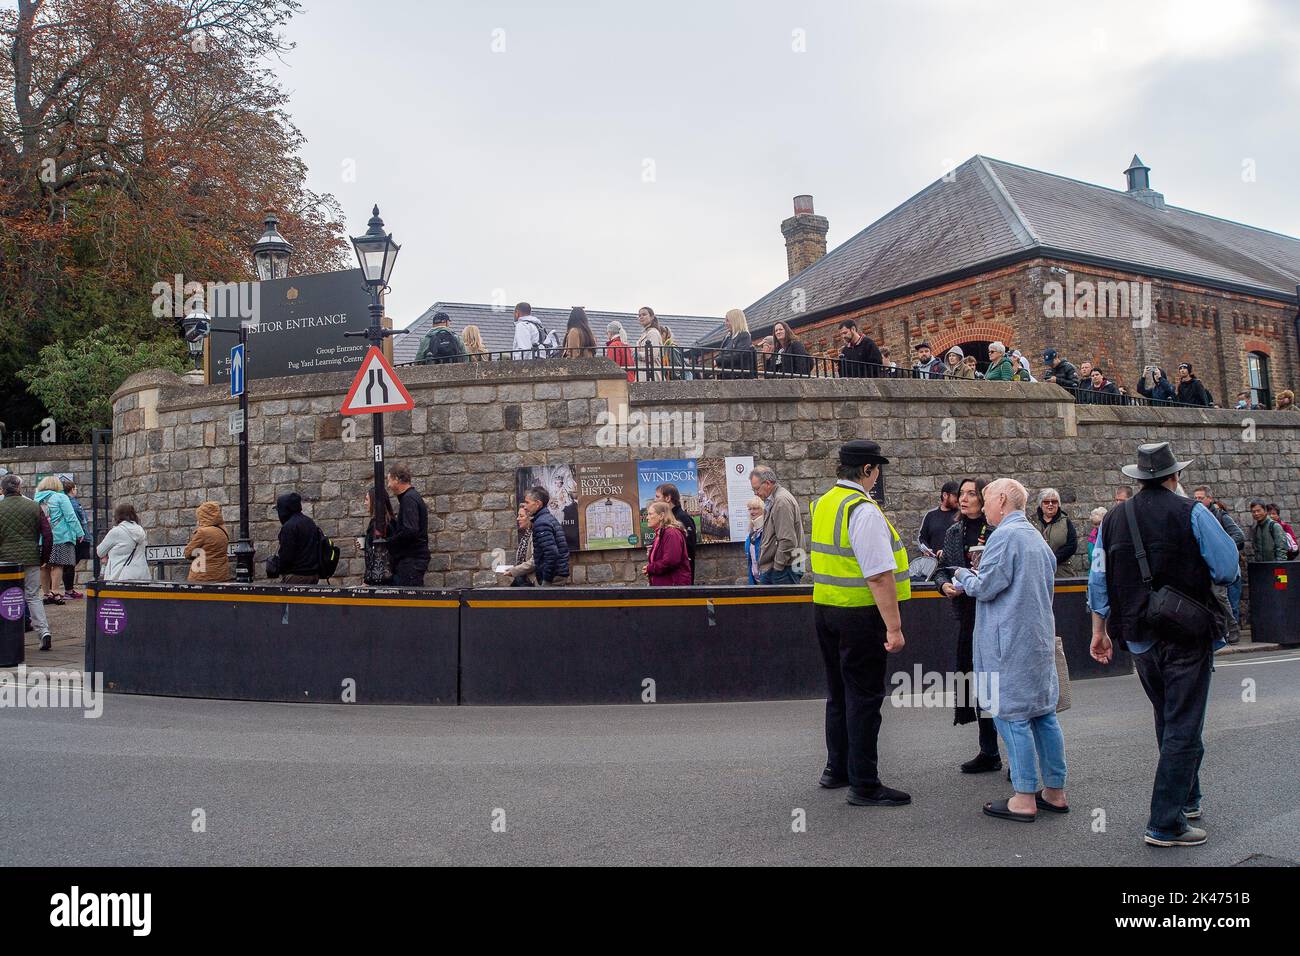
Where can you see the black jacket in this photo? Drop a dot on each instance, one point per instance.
(736, 357)
(408, 537)
(1165, 522)
(792, 361)
(1064, 374)
(550, 549)
(1161, 391)
(1192, 392)
(688, 523)
(861, 360)
(300, 540)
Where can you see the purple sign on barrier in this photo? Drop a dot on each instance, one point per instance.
(12, 604)
(112, 617)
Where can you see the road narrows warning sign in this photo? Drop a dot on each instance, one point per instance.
(376, 388)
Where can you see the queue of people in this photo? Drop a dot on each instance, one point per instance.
(656, 355)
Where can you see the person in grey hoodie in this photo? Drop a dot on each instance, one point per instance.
(123, 548)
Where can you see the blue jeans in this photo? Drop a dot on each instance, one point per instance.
(1234, 597)
(1030, 744)
(786, 576)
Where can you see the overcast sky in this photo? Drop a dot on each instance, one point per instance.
(613, 155)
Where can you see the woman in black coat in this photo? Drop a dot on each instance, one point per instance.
(790, 356)
(962, 546)
(736, 356)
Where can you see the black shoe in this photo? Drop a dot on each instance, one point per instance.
(984, 763)
(880, 796)
(831, 781)
(45, 642)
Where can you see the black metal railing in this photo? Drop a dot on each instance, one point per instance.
(651, 363)
(37, 438)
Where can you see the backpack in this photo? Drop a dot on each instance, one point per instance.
(548, 340)
(442, 346)
(329, 556)
(1288, 539)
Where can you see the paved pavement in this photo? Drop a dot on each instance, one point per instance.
(648, 784)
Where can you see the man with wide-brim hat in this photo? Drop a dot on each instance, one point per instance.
(860, 578)
(1184, 547)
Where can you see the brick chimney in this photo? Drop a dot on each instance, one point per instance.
(1138, 175)
(805, 236)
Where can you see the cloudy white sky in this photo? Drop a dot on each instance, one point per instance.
(619, 154)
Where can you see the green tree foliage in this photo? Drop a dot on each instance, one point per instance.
(76, 380)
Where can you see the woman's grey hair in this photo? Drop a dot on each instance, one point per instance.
(615, 330)
(1049, 493)
(1097, 514)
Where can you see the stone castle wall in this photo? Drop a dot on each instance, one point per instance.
(473, 425)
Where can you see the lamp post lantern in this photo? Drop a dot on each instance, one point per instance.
(376, 254)
(271, 252)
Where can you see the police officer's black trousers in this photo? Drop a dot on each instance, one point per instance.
(853, 648)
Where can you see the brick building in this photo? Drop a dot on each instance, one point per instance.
(998, 251)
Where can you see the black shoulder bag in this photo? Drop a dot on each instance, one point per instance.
(1170, 611)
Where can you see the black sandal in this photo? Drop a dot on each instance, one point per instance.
(1049, 807)
(1000, 810)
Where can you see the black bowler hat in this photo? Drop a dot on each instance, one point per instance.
(861, 452)
(1155, 460)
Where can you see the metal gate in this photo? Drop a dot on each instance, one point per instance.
(101, 481)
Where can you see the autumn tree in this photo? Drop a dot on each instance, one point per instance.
(139, 139)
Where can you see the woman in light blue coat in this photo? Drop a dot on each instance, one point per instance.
(66, 530)
(1015, 652)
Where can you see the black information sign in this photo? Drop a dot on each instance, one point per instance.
(300, 326)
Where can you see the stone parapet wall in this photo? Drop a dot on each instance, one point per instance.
(473, 425)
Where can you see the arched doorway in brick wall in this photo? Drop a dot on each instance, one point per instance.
(974, 338)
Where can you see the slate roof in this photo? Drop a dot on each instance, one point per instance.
(498, 327)
(991, 212)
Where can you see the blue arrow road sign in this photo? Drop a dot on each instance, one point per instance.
(237, 371)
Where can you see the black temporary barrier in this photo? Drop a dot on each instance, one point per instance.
(602, 645)
(1274, 601)
(13, 610)
(508, 645)
(268, 642)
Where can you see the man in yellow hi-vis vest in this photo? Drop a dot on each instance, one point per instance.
(860, 577)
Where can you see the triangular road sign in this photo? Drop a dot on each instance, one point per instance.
(376, 388)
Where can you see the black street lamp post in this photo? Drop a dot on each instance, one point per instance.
(376, 253)
(197, 326)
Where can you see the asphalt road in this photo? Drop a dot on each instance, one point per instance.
(650, 784)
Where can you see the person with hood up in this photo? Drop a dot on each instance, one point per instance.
(957, 364)
(123, 548)
(206, 550)
(1023, 372)
(1057, 529)
(298, 560)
